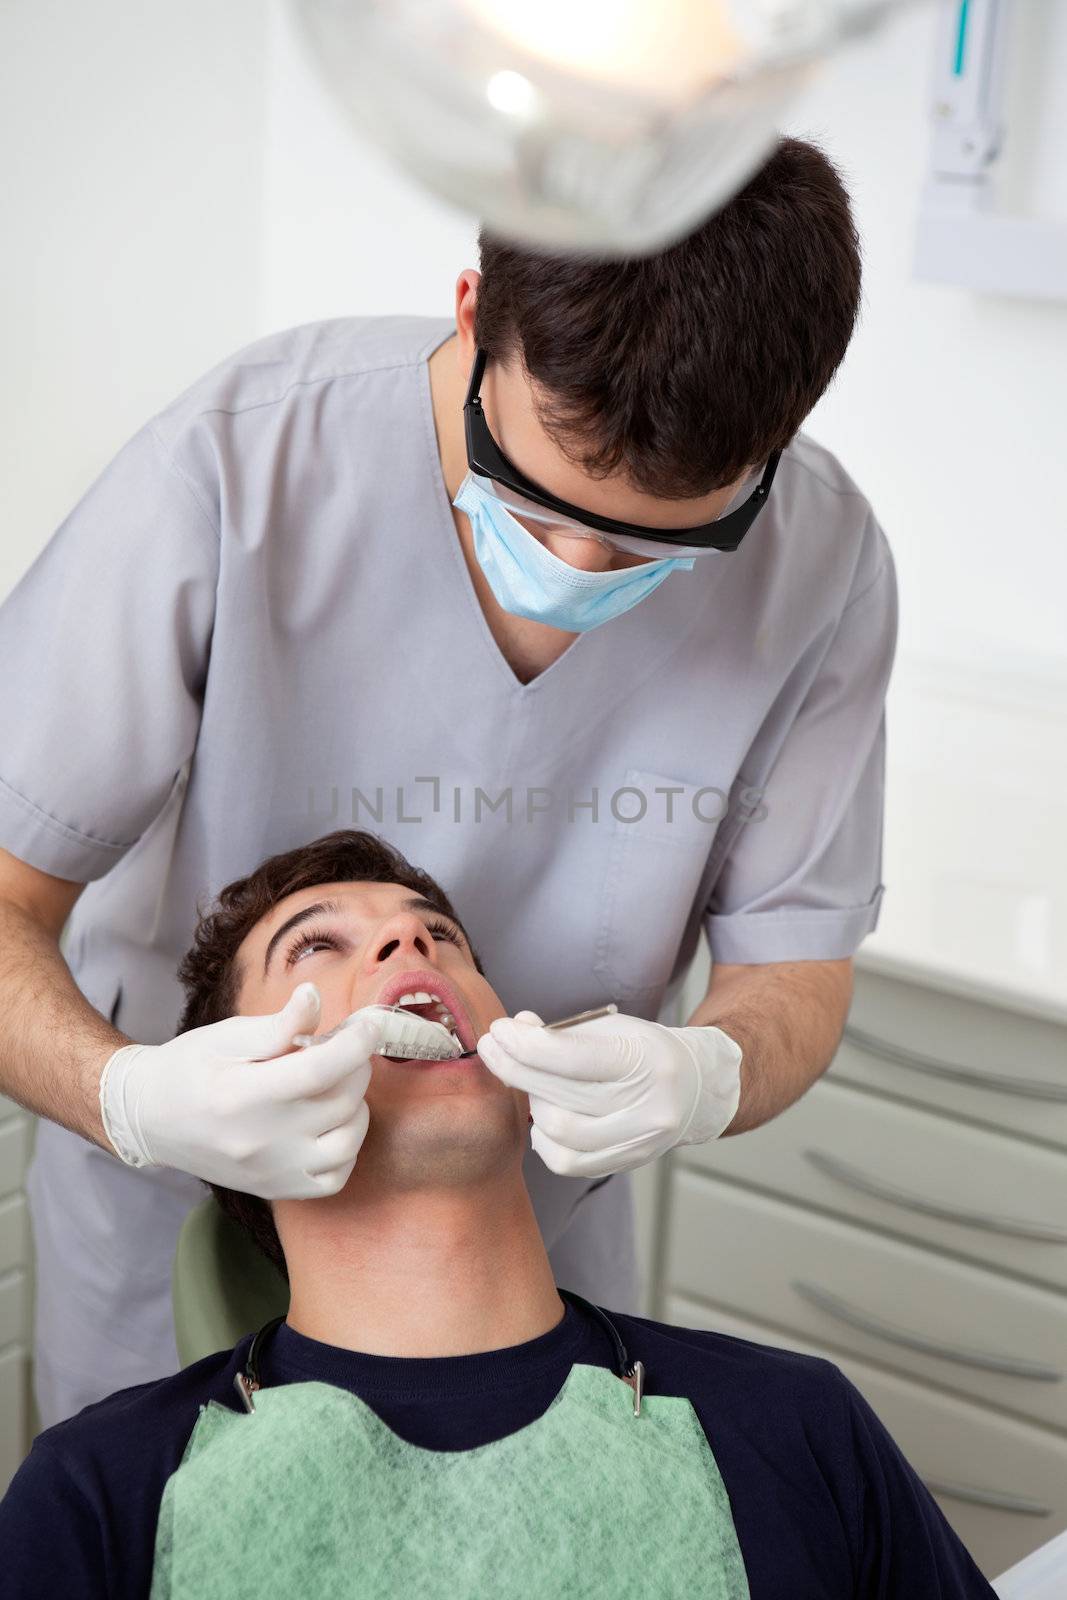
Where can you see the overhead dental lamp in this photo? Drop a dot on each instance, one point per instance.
(611, 127)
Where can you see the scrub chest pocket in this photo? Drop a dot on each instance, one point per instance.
(652, 875)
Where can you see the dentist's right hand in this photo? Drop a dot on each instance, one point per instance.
(227, 1103)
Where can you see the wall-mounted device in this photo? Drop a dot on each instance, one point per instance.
(962, 238)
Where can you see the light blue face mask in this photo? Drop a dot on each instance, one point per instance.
(529, 581)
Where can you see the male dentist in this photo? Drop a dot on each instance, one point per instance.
(557, 586)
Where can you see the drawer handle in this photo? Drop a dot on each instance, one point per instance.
(853, 1178)
(1000, 1082)
(855, 1318)
(986, 1497)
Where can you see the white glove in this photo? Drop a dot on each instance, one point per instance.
(615, 1092)
(226, 1103)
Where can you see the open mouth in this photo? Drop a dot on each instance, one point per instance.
(424, 1021)
(430, 1011)
(421, 1005)
(417, 1032)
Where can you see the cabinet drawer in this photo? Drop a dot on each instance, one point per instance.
(1001, 1484)
(945, 1183)
(949, 1323)
(14, 1232)
(15, 1135)
(1000, 1067)
(14, 1411)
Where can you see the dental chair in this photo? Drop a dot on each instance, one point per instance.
(222, 1286)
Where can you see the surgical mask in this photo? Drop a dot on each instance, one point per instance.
(529, 581)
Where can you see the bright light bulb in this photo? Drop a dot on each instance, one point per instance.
(511, 93)
(657, 47)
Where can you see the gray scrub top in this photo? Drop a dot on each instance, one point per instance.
(257, 626)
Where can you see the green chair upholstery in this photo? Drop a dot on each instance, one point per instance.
(222, 1285)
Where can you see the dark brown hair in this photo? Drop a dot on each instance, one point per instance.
(684, 369)
(210, 975)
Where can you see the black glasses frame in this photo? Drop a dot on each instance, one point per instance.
(485, 457)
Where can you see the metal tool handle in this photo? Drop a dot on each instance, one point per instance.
(843, 1172)
(564, 1022)
(585, 1016)
(988, 1360)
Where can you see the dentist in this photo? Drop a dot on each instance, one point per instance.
(554, 594)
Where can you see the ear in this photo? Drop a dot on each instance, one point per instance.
(466, 300)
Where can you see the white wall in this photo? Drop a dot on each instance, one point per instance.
(949, 409)
(344, 232)
(131, 152)
(175, 183)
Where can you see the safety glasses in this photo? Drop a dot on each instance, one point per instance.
(524, 498)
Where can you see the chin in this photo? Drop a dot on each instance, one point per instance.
(433, 1145)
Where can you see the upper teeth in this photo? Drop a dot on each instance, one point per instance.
(420, 997)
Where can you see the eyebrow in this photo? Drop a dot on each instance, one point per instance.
(415, 903)
(315, 910)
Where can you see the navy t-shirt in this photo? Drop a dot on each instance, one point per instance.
(824, 1504)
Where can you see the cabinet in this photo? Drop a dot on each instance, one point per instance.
(907, 1219)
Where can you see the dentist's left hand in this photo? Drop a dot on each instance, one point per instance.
(615, 1092)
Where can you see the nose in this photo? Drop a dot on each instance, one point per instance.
(402, 935)
(587, 555)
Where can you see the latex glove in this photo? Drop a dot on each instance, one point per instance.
(615, 1092)
(226, 1103)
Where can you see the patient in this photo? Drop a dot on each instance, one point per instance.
(432, 1418)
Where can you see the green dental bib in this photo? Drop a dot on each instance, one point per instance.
(314, 1495)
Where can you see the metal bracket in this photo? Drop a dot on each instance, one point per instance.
(636, 1379)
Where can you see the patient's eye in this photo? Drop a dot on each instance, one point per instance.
(310, 939)
(444, 930)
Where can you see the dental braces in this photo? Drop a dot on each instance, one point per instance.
(404, 1037)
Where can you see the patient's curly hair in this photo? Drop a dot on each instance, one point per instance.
(210, 972)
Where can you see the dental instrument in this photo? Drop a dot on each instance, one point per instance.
(407, 1037)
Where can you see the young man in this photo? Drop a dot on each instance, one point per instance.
(432, 1418)
(290, 604)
